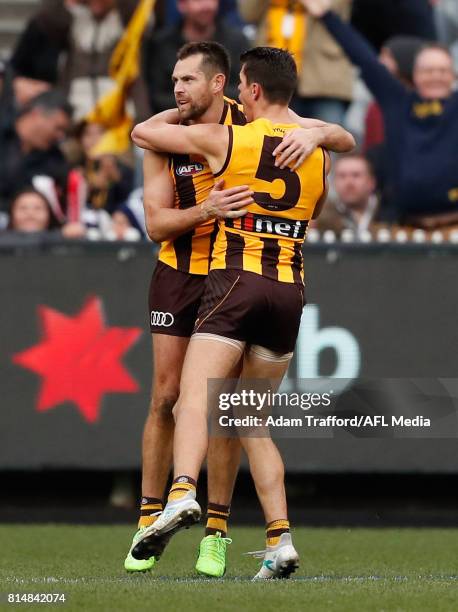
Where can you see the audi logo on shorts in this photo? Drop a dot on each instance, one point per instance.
(161, 319)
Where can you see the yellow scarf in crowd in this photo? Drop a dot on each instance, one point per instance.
(287, 27)
(110, 110)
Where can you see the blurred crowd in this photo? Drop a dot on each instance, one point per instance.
(84, 71)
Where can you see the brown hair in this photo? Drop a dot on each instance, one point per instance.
(215, 58)
(52, 223)
(274, 69)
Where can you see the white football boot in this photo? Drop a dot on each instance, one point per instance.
(278, 561)
(177, 514)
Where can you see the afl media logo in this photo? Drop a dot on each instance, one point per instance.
(161, 319)
(189, 169)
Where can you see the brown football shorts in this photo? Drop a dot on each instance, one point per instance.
(174, 299)
(251, 308)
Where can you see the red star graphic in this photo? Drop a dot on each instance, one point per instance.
(79, 359)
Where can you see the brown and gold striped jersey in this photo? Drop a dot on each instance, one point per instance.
(193, 181)
(268, 239)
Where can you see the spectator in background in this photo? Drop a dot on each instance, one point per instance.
(30, 146)
(127, 222)
(70, 44)
(356, 205)
(33, 66)
(109, 182)
(17, 88)
(109, 179)
(38, 48)
(125, 225)
(30, 212)
(379, 20)
(16, 91)
(199, 23)
(325, 75)
(398, 56)
(94, 33)
(421, 125)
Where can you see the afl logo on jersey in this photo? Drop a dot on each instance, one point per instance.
(189, 169)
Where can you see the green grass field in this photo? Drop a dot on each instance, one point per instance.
(357, 570)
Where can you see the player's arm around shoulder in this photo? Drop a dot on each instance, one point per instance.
(324, 195)
(330, 135)
(159, 120)
(209, 140)
(301, 142)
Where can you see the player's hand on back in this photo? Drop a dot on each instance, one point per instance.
(295, 147)
(227, 203)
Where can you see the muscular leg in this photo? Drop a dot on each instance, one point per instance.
(266, 465)
(168, 356)
(268, 475)
(223, 461)
(210, 358)
(205, 359)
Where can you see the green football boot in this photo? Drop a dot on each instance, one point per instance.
(212, 555)
(138, 565)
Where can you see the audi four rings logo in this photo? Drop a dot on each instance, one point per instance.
(161, 319)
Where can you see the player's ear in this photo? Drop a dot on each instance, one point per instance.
(255, 91)
(219, 82)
